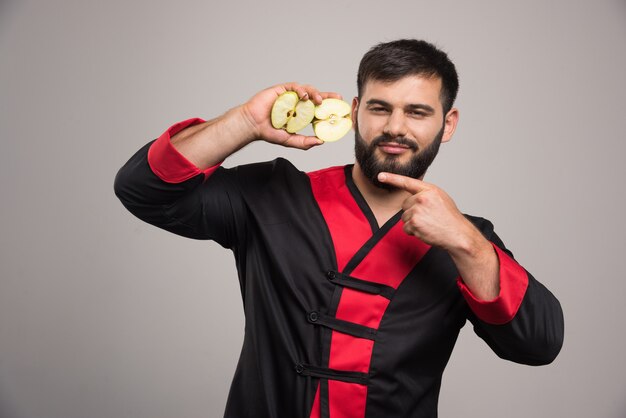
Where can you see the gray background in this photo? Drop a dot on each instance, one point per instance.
(102, 315)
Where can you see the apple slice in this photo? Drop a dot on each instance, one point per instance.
(332, 120)
(290, 113)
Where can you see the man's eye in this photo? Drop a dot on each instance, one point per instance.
(378, 109)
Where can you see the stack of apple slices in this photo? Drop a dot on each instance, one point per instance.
(331, 119)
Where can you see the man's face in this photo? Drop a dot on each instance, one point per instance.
(399, 126)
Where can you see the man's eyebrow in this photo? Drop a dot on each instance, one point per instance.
(424, 107)
(377, 101)
(420, 106)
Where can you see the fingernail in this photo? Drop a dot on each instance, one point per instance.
(382, 177)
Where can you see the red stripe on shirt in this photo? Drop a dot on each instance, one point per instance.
(389, 262)
(170, 165)
(349, 228)
(513, 284)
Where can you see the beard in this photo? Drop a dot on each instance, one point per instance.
(371, 165)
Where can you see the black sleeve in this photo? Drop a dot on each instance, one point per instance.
(213, 209)
(535, 334)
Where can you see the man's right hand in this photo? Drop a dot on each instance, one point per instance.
(257, 111)
(211, 142)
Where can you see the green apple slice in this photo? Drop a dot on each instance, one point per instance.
(332, 120)
(302, 115)
(332, 130)
(283, 106)
(291, 113)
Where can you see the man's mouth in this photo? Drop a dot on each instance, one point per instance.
(393, 147)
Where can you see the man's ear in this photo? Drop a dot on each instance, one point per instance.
(449, 124)
(355, 109)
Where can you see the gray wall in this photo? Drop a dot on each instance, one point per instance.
(103, 316)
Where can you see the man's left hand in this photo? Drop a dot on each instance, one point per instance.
(430, 214)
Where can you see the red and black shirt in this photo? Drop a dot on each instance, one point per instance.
(345, 318)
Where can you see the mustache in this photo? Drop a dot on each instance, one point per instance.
(398, 140)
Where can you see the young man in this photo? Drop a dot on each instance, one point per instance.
(356, 280)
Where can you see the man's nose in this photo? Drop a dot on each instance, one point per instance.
(396, 124)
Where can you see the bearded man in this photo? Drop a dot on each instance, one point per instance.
(355, 279)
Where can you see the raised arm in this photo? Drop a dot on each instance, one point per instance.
(165, 182)
(211, 142)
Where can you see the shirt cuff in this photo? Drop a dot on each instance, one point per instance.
(169, 164)
(513, 284)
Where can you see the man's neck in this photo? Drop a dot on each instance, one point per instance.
(384, 203)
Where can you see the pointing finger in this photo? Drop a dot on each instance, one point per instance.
(409, 184)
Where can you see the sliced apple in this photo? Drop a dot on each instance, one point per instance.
(290, 113)
(332, 120)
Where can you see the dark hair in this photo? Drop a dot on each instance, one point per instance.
(391, 61)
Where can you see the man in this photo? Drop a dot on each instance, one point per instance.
(356, 280)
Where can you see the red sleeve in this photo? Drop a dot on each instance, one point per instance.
(513, 284)
(169, 164)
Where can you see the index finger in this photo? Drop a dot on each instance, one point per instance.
(409, 184)
(331, 95)
(304, 91)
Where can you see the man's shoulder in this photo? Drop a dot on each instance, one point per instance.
(283, 166)
(329, 178)
(262, 171)
(328, 171)
(280, 173)
(265, 166)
